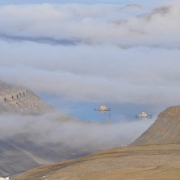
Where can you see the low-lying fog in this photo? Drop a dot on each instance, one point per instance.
(46, 129)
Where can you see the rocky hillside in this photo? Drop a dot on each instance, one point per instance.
(166, 129)
(19, 99)
(20, 145)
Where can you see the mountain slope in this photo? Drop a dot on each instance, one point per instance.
(154, 155)
(32, 133)
(13, 159)
(150, 162)
(23, 115)
(19, 99)
(166, 129)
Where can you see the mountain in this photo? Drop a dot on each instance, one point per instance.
(19, 99)
(26, 126)
(147, 162)
(33, 133)
(154, 155)
(166, 129)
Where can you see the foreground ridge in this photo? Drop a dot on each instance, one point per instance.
(154, 155)
(150, 162)
(165, 130)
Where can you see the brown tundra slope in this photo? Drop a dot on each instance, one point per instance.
(155, 155)
(165, 130)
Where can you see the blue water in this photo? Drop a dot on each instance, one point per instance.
(85, 110)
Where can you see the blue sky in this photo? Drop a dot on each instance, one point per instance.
(77, 57)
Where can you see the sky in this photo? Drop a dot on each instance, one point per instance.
(7, 2)
(78, 55)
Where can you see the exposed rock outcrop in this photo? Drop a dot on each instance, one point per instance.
(19, 99)
(165, 130)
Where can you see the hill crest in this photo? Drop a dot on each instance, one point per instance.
(165, 130)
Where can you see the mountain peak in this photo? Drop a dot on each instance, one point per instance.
(172, 112)
(19, 99)
(165, 130)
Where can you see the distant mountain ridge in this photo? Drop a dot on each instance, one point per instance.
(18, 153)
(19, 99)
(165, 130)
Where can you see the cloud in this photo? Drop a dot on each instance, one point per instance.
(45, 40)
(47, 129)
(95, 73)
(103, 53)
(95, 24)
(132, 7)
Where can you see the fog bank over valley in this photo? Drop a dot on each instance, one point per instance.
(75, 135)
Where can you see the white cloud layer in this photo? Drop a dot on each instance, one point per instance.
(99, 53)
(44, 130)
(97, 74)
(92, 24)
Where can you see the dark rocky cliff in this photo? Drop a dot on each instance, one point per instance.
(166, 129)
